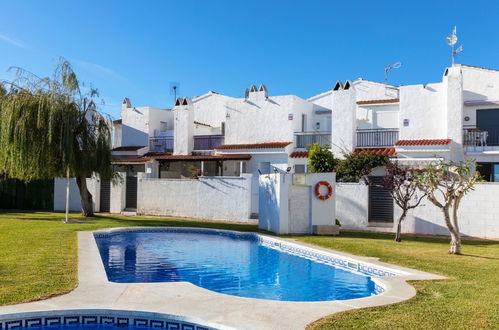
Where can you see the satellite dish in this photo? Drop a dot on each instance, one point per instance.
(451, 40)
(396, 65)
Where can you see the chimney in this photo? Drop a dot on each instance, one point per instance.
(183, 134)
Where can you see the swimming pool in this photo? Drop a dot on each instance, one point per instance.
(240, 264)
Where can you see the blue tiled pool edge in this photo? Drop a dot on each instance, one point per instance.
(103, 316)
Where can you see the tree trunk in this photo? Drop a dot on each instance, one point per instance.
(398, 235)
(455, 242)
(87, 209)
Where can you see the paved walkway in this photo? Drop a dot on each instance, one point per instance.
(185, 299)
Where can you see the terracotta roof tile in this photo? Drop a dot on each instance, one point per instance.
(266, 145)
(378, 101)
(423, 142)
(378, 151)
(299, 154)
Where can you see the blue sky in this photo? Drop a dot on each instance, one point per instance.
(137, 48)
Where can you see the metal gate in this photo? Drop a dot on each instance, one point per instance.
(105, 196)
(131, 192)
(380, 202)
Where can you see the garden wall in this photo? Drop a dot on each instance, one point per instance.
(222, 198)
(478, 213)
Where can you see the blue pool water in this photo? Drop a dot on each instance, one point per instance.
(239, 266)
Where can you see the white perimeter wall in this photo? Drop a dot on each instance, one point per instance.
(478, 213)
(93, 186)
(220, 198)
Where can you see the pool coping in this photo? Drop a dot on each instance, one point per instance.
(222, 311)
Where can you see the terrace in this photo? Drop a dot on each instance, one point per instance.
(374, 138)
(303, 139)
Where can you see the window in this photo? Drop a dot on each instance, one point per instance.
(299, 168)
(489, 171)
(163, 126)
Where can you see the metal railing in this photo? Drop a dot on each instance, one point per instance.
(161, 144)
(303, 139)
(377, 137)
(477, 138)
(208, 142)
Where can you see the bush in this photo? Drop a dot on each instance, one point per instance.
(357, 165)
(321, 159)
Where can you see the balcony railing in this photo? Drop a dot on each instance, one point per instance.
(161, 144)
(208, 142)
(303, 139)
(477, 138)
(367, 138)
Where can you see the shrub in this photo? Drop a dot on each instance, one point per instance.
(357, 165)
(321, 159)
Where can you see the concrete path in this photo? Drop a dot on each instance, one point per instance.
(185, 299)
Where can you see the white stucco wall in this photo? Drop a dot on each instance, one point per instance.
(425, 108)
(93, 186)
(258, 120)
(220, 198)
(378, 116)
(352, 205)
(478, 213)
(344, 121)
(277, 195)
(183, 141)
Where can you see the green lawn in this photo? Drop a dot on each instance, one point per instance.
(38, 260)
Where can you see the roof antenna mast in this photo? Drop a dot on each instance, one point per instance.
(174, 90)
(389, 68)
(451, 41)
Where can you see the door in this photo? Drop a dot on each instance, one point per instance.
(380, 202)
(105, 196)
(488, 121)
(131, 192)
(299, 209)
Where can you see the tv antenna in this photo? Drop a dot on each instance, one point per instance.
(174, 90)
(389, 68)
(451, 40)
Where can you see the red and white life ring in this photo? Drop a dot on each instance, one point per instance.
(318, 190)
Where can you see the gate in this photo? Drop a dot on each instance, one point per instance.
(380, 202)
(131, 192)
(105, 196)
(299, 209)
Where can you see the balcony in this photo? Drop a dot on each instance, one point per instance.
(161, 144)
(478, 138)
(374, 138)
(208, 142)
(303, 139)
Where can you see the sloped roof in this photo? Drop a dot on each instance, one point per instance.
(378, 151)
(378, 101)
(423, 142)
(299, 154)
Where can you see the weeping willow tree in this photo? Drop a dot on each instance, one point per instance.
(49, 128)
